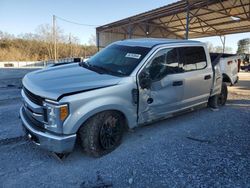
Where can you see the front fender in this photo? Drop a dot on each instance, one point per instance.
(98, 105)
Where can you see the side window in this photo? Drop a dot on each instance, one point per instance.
(163, 63)
(193, 58)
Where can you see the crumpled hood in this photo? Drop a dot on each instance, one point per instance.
(53, 82)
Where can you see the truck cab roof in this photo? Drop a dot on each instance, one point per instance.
(152, 42)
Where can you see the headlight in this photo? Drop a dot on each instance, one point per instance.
(56, 115)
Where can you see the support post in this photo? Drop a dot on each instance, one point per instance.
(85, 51)
(129, 31)
(54, 37)
(70, 44)
(187, 21)
(147, 30)
(98, 41)
(223, 41)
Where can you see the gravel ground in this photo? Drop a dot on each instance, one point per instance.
(198, 149)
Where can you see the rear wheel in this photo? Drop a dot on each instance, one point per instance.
(222, 98)
(102, 133)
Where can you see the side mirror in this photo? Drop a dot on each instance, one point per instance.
(145, 80)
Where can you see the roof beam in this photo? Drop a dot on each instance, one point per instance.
(226, 14)
(233, 5)
(170, 20)
(208, 20)
(117, 32)
(217, 11)
(171, 31)
(163, 34)
(177, 7)
(212, 11)
(153, 30)
(206, 23)
(212, 26)
(201, 25)
(225, 32)
(223, 8)
(194, 14)
(155, 26)
(166, 12)
(140, 26)
(245, 9)
(190, 29)
(181, 22)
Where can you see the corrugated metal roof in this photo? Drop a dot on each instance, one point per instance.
(207, 18)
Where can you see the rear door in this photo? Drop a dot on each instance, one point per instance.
(198, 75)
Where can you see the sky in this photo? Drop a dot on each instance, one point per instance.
(24, 16)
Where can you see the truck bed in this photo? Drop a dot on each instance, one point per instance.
(229, 64)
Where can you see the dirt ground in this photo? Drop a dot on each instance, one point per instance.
(199, 149)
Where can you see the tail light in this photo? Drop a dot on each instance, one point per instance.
(229, 62)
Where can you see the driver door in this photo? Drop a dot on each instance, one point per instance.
(165, 93)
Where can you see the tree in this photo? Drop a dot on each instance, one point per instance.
(92, 40)
(40, 46)
(218, 49)
(45, 34)
(67, 45)
(210, 46)
(244, 46)
(4, 35)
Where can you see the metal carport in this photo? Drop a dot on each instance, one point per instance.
(181, 20)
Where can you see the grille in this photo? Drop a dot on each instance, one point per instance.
(34, 98)
(32, 120)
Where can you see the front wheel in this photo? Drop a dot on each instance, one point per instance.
(102, 133)
(222, 98)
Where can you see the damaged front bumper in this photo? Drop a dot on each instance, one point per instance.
(47, 140)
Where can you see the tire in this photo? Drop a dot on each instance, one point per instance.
(213, 102)
(102, 133)
(222, 98)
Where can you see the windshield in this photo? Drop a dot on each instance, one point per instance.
(117, 59)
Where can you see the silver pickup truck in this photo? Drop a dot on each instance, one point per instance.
(127, 84)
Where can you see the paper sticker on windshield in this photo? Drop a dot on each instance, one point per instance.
(135, 56)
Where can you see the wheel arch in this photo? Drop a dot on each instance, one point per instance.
(108, 110)
(90, 109)
(226, 78)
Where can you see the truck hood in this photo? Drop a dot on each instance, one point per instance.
(55, 82)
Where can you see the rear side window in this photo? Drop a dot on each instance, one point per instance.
(193, 58)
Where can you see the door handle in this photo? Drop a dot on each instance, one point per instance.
(177, 83)
(207, 77)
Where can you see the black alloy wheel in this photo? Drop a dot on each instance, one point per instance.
(110, 133)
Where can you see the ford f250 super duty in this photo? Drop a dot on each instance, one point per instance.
(127, 84)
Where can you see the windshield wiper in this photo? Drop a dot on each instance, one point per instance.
(108, 71)
(100, 70)
(86, 65)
